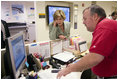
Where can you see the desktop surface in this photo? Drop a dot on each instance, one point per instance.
(48, 74)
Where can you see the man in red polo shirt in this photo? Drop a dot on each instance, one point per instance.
(103, 50)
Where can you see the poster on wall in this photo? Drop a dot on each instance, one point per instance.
(18, 13)
(5, 13)
(17, 9)
(30, 14)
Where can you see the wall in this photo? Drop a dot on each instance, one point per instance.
(81, 30)
(81, 27)
(27, 16)
(42, 29)
(108, 9)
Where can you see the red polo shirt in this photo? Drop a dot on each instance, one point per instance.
(104, 42)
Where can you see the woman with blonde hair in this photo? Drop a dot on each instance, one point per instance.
(59, 29)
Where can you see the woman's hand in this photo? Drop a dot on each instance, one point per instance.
(55, 23)
(62, 37)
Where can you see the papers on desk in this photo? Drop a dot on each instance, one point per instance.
(72, 75)
(42, 48)
(46, 74)
(83, 46)
(65, 43)
(56, 46)
(47, 48)
(34, 48)
(64, 56)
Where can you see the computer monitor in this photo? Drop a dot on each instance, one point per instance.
(16, 54)
(52, 9)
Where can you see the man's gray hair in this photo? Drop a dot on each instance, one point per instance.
(96, 9)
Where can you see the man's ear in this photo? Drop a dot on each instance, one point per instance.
(96, 17)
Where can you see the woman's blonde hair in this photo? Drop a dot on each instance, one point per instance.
(59, 13)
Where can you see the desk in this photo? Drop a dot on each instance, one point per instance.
(47, 74)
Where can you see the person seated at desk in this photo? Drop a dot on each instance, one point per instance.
(59, 29)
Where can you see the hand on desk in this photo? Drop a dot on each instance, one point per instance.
(62, 37)
(64, 71)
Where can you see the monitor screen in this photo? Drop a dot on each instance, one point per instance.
(16, 53)
(52, 9)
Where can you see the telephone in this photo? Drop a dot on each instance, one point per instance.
(56, 25)
(54, 63)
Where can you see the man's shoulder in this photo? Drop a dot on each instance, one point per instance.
(108, 24)
(108, 21)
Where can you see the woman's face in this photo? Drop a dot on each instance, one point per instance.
(59, 21)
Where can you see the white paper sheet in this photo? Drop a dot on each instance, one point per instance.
(83, 47)
(46, 74)
(56, 46)
(33, 48)
(44, 49)
(65, 43)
